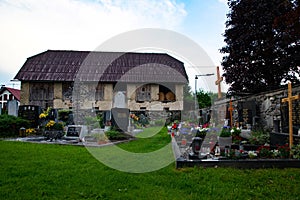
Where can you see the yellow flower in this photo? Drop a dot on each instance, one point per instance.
(30, 131)
(42, 115)
(50, 124)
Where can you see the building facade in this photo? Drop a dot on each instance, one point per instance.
(103, 80)
(8, 94)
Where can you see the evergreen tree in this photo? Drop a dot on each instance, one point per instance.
(204, 99)
(262, 48)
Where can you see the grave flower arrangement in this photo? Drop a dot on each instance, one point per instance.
(283, 151)
(296, 151)
(51, 128)
(30, 131)
(201, 132)
(264, 151)
(52, 125)
(236, 138)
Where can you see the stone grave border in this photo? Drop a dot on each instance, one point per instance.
(242, 163)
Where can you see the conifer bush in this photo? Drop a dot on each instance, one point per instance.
(10, 125)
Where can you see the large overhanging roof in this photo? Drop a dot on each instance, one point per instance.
(59, 65)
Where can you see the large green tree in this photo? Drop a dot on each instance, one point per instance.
(262, 46)
(204, 99)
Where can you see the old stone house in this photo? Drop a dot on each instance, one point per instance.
(102, 80)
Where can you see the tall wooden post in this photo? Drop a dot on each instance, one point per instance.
(218, 82)
(230, 109)
(289, 99)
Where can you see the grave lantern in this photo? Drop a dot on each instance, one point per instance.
(196, 144)
(22, 132)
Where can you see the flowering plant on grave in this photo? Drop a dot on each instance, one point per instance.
(45, 114)
(264, 151)
(52, 125)
(296, 151)
(235, 131)
(252, 154)
(201, 132)
(283, 151)
(30, 131)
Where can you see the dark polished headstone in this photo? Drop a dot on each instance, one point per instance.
(246, 112)
(120, 118)
(30, 113)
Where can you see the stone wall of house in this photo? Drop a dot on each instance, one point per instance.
(58, 97)
(154, 104)
(106, 103)
(24, 94)
(64, 98)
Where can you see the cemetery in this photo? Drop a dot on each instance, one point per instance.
(254, 131)
(137, 117)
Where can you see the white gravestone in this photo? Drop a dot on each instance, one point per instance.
(12, 106)
(120, 100)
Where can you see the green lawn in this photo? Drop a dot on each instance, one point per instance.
(41, 171)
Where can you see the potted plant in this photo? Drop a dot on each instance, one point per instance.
(235, 133)
(201, 132)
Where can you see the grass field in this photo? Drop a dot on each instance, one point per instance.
(41, 171)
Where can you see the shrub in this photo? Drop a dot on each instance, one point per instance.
(115, 135)
(260, 137)
(10, 125)
(63, 115)
(160, 122)
(296, 151)
(225, 132)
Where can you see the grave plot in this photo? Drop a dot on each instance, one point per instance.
(206, 147)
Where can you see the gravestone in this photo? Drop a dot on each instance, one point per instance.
(12, 106)
(107, 118)
(119, 100)
(76, 131)
(30, 113)
(295, 115)
(53, 114)
(120, 118)
(246, 112)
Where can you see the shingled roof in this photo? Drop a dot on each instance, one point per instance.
(61, 65)
(13, 91)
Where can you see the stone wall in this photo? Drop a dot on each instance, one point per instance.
(24, 94)
(63, 97)
(269, 108)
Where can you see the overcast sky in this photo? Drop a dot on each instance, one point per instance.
(29, 27)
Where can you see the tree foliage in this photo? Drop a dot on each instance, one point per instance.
(204, 99)
(188, 98)
(263, 44)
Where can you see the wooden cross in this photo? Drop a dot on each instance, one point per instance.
(218, 82)
(230, 109)
(289, 99)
